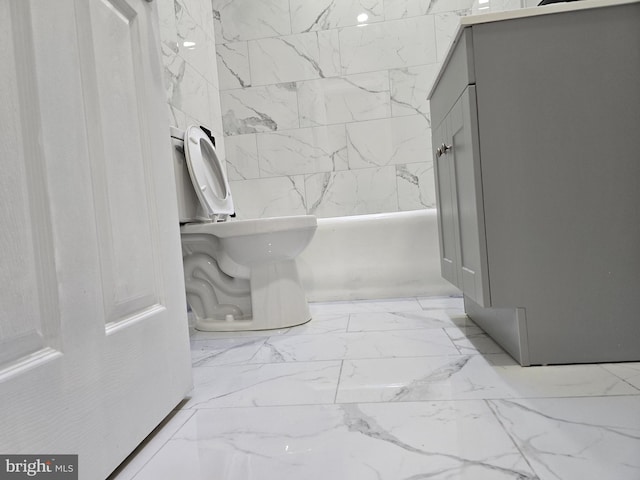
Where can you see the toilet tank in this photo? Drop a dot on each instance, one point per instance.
(187, 199)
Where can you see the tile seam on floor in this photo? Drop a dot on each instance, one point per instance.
(625, 380)
(413, 401)
(335, 396)
(161, 446)
(506, 431)
(359, 358)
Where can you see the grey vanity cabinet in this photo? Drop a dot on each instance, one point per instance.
(459, 196)
(537, 164)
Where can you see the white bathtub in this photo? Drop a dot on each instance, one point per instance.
(383, 255)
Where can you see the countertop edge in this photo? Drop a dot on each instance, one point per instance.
(553, 8)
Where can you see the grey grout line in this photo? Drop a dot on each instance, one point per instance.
(145, 444)
(506, 431)
(335, 397)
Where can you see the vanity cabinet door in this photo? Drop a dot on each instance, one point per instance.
(460, 204)
(446, 198)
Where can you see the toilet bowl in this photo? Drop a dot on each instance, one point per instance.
(239, 274)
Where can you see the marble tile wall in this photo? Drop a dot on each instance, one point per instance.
(324, 111)
(190, 68)
(486, 6)
(324, 105)
(316, 108)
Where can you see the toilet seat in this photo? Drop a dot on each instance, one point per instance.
(207, 175)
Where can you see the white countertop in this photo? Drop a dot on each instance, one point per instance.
(535, 11)
(471, 20)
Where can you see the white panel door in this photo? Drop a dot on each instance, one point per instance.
(94, 348)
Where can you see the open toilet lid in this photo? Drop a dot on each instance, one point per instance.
(207, 174)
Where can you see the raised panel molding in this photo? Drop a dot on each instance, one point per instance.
(121, 163)
(29, 318)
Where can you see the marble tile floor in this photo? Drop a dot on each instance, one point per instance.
(391, 389)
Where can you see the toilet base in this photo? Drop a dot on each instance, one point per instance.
(277, 301)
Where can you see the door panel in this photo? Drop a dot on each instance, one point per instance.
(29, 326)
(468, 190)
(460, 201)
(93, 330)
(128, 252)
(447, 208)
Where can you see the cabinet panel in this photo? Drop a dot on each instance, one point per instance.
(460, 205)
(465, 155)
(452, 81)
(447, 209)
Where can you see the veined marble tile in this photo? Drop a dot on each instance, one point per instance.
(400, 343)
(308, 16)
(411, 139)
(365, 306)
(193, 121)
(224, 351)
(196, 335)
(394, 9)
(289, 58)
(260, 385)
(259, 109)
(629, 372)
(319, 442)
(380, 321)
(199, 10)
(512, 5)
(214, 122)
(409, 89)
(370, 143)
(411, 8)
(304, 150)
(382, 46)
(190, 90)
(269, 197)
(242, 157)
(207, 18)
(585, 438)
(187, 49)
(152, 444)
(469, 377)
(352, 192)
(471, 339)
(416, 186)
(237, 20)
(388, 141)
(344, 99)
(446, 26)
(322, 324)
(450, 5)
(173, 72)
(498, 6)
(195, 47)
(233, 65)
(167, 20)
(176, 117)
(452, 302)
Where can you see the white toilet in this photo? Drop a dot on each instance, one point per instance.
(239, 274)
